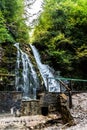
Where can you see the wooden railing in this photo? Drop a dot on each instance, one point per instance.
(68, 90)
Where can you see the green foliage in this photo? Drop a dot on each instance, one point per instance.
(13, 22)
(62, 34)
(4, 34)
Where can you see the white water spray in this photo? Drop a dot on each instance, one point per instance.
(45, 70)
(26, 77)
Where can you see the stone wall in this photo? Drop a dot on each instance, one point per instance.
(31, 107)
(49, 100)
(9, 100)
(48, 103)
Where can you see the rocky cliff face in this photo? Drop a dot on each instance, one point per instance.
(7, 58)
(7, 66)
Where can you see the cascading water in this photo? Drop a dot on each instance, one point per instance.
(54, 86)
(26, 77)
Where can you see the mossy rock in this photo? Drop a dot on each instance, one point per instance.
(8, 58)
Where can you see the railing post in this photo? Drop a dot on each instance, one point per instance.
(70, 99)
(60, 87)
(47, 83)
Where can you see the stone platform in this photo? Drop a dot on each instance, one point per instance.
(8, 100)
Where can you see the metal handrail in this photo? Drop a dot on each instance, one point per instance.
(66, 87)
(7, 75)
(72, 79)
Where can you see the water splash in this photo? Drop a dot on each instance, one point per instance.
(26, 77)
(45, 71)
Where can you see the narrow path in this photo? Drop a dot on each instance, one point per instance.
(28, 122)
(79, 111)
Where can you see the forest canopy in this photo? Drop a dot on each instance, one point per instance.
(12, 22)
(61, 36)
(60, 33)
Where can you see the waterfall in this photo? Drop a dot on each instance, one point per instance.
(46, 73)
(26, 78)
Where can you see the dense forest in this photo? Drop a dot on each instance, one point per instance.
(60, 34)
(12, 22)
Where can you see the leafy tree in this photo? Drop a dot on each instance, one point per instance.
(61, 35)
(4, 34)
(13, 14)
